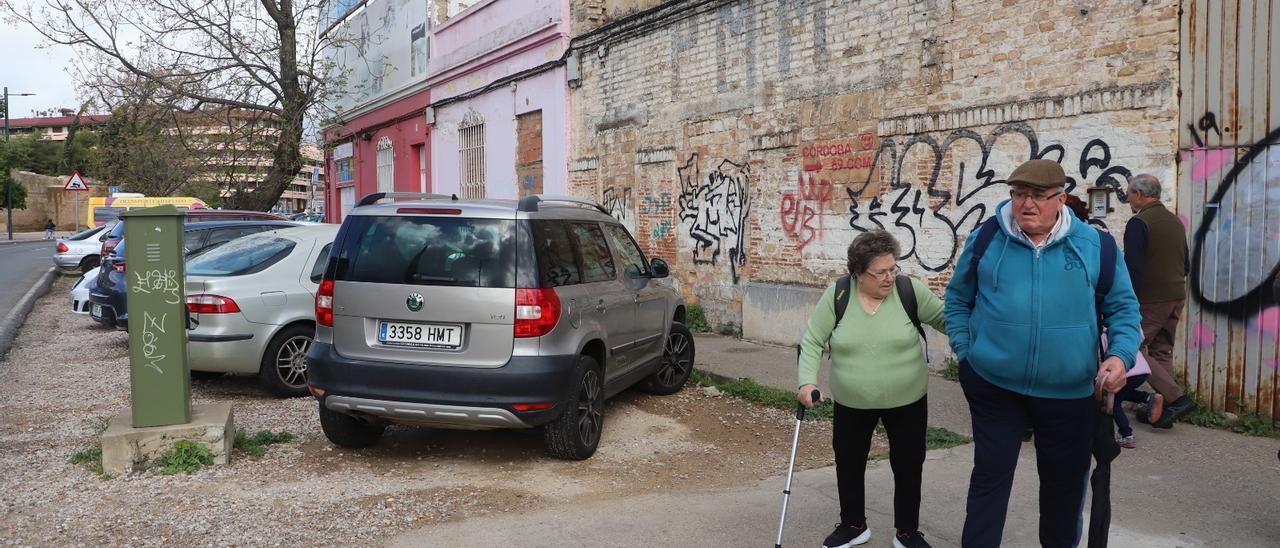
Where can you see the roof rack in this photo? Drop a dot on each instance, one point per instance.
(530, 203)
(373, 198)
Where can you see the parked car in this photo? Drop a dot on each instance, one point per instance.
(80, 292)
(107, 297)
(479, 314)
(252, 302)
(112, 238)
(80, 251)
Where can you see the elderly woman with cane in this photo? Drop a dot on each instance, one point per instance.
(878, 374)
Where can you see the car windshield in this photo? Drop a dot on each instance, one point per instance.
(117, 231)
(432, 251)
(240, 256)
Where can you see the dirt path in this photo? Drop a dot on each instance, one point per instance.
(64, 377)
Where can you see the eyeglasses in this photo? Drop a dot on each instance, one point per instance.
(1019, 195)
(882, 274)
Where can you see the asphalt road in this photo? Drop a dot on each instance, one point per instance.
(21, 265)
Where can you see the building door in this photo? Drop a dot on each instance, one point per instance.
(346, 200)
(1229, 197)
(529, 153)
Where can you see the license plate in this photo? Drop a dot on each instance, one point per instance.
(97, 310)
(420, 335)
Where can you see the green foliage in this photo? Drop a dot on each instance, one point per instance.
(1203, 416)
(941, 438)
(696, 319)
(1254, 424)
(11, 188)
(751, 390)
(952, 371)
(186, 457)
(89, 458)
(256, 445)
(31, 153)
(730, 329)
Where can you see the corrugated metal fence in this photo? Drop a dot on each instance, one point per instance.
(1229, 196)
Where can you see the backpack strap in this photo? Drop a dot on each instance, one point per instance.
(843, 286)
(986, 232)
(907, 296)
(1107, 265)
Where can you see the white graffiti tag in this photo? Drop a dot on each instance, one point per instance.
(150, 326)
(163, 282)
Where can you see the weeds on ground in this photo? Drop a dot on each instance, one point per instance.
(748, 389)
(696, 319)
(90, 459)
(1203, 416)
(186, 457)
(1254, 424)
(952, 371)
(256, 445)
(730, 329)
(941, 438)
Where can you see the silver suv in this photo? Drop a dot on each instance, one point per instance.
(481, 314)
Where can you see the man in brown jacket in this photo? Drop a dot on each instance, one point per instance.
(1155, 251)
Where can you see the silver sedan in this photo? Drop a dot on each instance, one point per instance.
(252, 305)
(80, 252)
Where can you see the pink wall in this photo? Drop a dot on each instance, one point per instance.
(402, 122)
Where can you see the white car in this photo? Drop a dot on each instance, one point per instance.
(80, 252)
(252, 305)
(80, 292)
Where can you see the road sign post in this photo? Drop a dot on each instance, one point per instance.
(76, 184)
(159, 381)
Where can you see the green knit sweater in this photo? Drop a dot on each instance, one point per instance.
(877, 361)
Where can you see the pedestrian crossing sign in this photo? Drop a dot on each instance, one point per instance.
(75, 183)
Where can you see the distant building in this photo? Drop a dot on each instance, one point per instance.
(55, 128)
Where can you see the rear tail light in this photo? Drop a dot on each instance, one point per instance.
(537, 311)
(324, 303)
(211, 304)
(527, 407)
(118, 266)
(62, 248)
(429, 211)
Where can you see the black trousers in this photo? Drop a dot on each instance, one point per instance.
(1063, 433)
(851, 439)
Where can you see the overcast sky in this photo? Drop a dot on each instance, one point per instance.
(25, 68)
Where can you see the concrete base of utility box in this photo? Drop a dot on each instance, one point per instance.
(124, 446)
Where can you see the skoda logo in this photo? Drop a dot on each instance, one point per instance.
(414, 302)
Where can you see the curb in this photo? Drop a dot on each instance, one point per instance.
(13, 321)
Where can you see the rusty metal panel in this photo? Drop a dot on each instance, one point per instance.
(1229, 196)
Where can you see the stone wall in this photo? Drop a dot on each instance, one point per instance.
(747, 142)
(46, 200)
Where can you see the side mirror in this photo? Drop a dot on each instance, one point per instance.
(659, 268)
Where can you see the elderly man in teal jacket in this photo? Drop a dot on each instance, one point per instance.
(1023, 322)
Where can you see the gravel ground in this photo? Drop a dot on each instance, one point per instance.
(65, 377)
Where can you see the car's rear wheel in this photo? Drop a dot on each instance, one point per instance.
(677, 363)
(89, 263)
(347, 431)
(575, 434)
(283, 371)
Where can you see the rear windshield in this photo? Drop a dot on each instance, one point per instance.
(444, 251)
(117, 231)
(84, 235)
(240, 256)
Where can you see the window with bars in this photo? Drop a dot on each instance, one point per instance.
(471, 155)
(386, 164)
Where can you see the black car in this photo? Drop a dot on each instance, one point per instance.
(107, 298)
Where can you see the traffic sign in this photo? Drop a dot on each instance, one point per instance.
(75, 183)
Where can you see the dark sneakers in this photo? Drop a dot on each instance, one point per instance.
(1174, 411)
(848, 535)
(908, 539)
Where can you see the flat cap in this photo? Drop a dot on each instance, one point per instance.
(1039, 173)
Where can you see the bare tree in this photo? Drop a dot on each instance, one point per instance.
(244, 59)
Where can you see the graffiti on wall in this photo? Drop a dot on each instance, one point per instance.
(617, 201)
(802, 211)
(660, 207)
(714, 209)
(917, 209)
(1235, 261)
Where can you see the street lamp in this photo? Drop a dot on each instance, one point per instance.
(8, 187)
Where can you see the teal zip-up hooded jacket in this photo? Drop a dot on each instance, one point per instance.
(1029, 325)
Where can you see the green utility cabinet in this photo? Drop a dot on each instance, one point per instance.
(155, 281)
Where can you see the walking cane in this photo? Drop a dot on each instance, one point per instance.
(795, 440)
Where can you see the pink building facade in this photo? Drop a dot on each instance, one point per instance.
(500, 100)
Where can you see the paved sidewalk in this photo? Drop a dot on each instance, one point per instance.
(19, 237)
(1185, 487)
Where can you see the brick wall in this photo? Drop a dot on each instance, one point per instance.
(748, 142)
